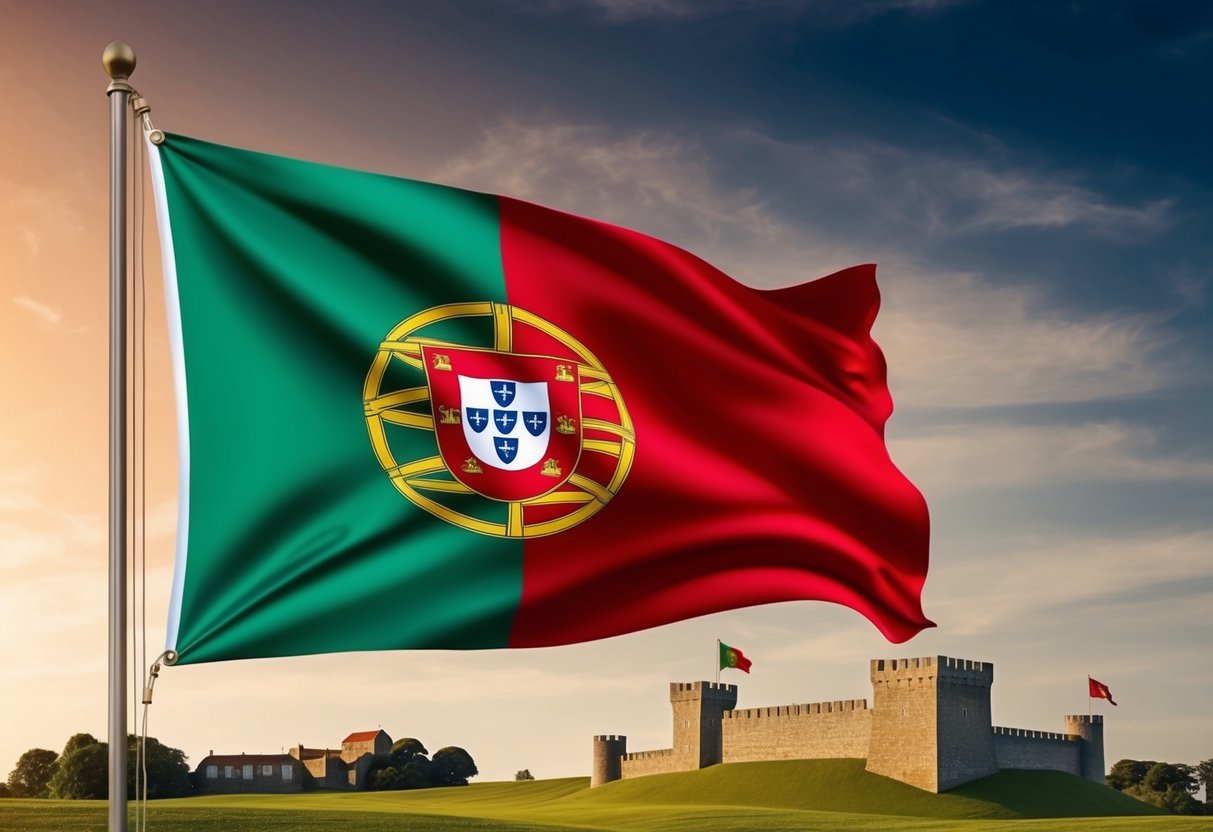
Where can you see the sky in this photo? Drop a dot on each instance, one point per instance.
(1032, 179)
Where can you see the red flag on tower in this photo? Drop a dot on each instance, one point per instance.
(1098, 690)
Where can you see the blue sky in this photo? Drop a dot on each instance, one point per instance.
(1033, 180)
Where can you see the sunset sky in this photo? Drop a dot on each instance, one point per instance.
(1033, 180)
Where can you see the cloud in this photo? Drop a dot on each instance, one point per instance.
(827, 12)
(960, 458)
(1078, 579)
(659, 181)
(48, 314)
(953, 339)
(957, 340)
(924, 191)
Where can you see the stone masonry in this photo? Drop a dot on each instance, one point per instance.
(929, 725)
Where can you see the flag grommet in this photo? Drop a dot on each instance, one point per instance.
(532, 436)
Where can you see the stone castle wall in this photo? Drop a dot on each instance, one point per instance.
(820, 730)
(1020, 748)
(664, 761)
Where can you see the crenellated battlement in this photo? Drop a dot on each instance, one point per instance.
(705, 691)
(610, 738)
(649, 755)
(945, 669)
(1033, 735)
(1085, 719)
(838, 706)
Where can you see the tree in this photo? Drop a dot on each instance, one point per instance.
(524, 774)
(4, 792)
(168, 773)
(1204, 773)
(1168, 786)
(1126, 773)
(33, 773)
(406, 749)
(83, 772)
(452, 766)
(77, 741)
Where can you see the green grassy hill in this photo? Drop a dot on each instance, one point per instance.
(835, 795)
(844, 786)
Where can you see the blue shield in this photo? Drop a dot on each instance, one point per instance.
(505, 419)
(506, 449)
(504, 392)
(535, 422)
(477, 418)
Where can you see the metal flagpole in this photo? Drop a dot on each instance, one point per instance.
(119, 62)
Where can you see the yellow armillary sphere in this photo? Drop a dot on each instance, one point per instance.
(497, 440)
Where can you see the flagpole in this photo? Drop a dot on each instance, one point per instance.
(717, 661)
(119, 62)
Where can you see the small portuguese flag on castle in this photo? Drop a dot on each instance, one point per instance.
(732, 657)
(413, 416)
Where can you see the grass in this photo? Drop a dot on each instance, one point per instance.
(748, 797)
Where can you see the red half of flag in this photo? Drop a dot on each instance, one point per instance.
(1098, 690)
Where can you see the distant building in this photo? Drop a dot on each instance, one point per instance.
(929, 726)
(298, 770)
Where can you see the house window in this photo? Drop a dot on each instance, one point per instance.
(227, 772)
(288, 771)
(248, 772)
(267, 771)
(212, 772)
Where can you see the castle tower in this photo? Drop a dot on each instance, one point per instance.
(606, 765)
(698, 710)
(931, 723)
(1090, 748)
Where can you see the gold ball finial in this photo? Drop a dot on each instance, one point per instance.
(118, 60)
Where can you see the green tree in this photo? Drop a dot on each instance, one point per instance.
(1204, 773)
(406, 749)
(452, 766)
(4, 792)
(33, 773)
(1168, 786)
(385, 778)
(1126, 773)
(168, 773)
(77, 741)
(416, 773)
(524, 774)
(83, 772)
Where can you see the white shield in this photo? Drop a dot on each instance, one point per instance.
(529, 397)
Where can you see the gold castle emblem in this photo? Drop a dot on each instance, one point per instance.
(471, 466)
(442, 362)
(449, 415)
(566, 425)
(551, 468)
(564, 373)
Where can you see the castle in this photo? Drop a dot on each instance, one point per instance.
(299, 769)
(929, 726)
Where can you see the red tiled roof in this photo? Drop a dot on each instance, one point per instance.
(362, 736)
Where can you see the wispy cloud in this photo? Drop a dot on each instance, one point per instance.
(830, 12)
(955, 339)
(961, 341)
(48, 314)
(959, 458)
(928, 192)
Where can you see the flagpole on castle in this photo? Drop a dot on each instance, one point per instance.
(119, 62)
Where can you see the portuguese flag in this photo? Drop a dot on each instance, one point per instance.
(413, 416)
(732, 657)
